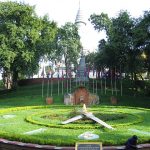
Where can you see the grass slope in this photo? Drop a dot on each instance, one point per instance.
(32, 95)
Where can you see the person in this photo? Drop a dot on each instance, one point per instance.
(131, 143)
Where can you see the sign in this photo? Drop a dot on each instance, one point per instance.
(88, 146)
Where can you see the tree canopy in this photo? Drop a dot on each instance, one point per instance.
(68, 44)
(24, 39)
(127, 38)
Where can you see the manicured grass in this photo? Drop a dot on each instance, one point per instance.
(133, 121)
(32, 113)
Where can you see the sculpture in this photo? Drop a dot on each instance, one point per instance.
(87, 114)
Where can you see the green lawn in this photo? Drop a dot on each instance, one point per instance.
(129, 116)
(126, 121)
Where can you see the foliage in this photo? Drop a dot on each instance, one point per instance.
(90, 60)
(143, 39)
(68, 44)
(23, 36)
(127, 40)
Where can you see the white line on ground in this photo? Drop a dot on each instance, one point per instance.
(35, 131)
(138, 131)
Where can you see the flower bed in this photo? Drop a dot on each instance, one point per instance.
(124, 119)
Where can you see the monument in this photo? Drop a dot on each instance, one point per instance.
(82, 75)
(81, 95)
(80, 21)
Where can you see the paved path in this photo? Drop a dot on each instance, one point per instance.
(14, 145)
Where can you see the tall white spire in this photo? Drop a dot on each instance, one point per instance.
(81, 24)
(80, 20)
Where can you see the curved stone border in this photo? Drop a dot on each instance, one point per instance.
(15, 145)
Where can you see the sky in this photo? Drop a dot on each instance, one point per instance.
(63, 11)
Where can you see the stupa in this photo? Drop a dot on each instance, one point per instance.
(80, 21)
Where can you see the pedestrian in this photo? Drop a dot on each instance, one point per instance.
(131, 143)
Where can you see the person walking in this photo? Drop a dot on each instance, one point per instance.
(131, 143)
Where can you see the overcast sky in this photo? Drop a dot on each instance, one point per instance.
(63, 11)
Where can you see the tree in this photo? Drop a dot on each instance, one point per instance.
(142, 33)
(90, 59)
(24, 39)
(120, 47)
(68, 44)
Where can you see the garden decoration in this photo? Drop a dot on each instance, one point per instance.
(88, 136)
(35, 131)
(85, 113)
(31, 121)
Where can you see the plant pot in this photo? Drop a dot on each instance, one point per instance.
(49, 100)
(113, 100)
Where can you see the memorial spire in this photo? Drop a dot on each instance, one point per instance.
(80, 19)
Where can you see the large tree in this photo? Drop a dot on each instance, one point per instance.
(142, 33)
(24, 39)
(68, 44)
(120, 46)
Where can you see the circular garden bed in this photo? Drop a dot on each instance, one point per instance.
(42, 124)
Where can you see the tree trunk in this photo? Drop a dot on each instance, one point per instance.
(132, 80)
(7, 79)
(15, 79)
(135, 82)
(141, 77)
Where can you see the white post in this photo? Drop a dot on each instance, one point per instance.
(120, 81)
(112, 92)
(51, 84)
(58, 83)
(101, 81)
(48, 88)
(105, 86)
(42, 74)
(42, 87)
(62, 86)
(70, 81)
(67, 82)
(93, 85)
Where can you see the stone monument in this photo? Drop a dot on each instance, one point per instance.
(81, 95)
(82, 74)
(80, 21)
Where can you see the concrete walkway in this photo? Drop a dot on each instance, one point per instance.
(14, 145)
